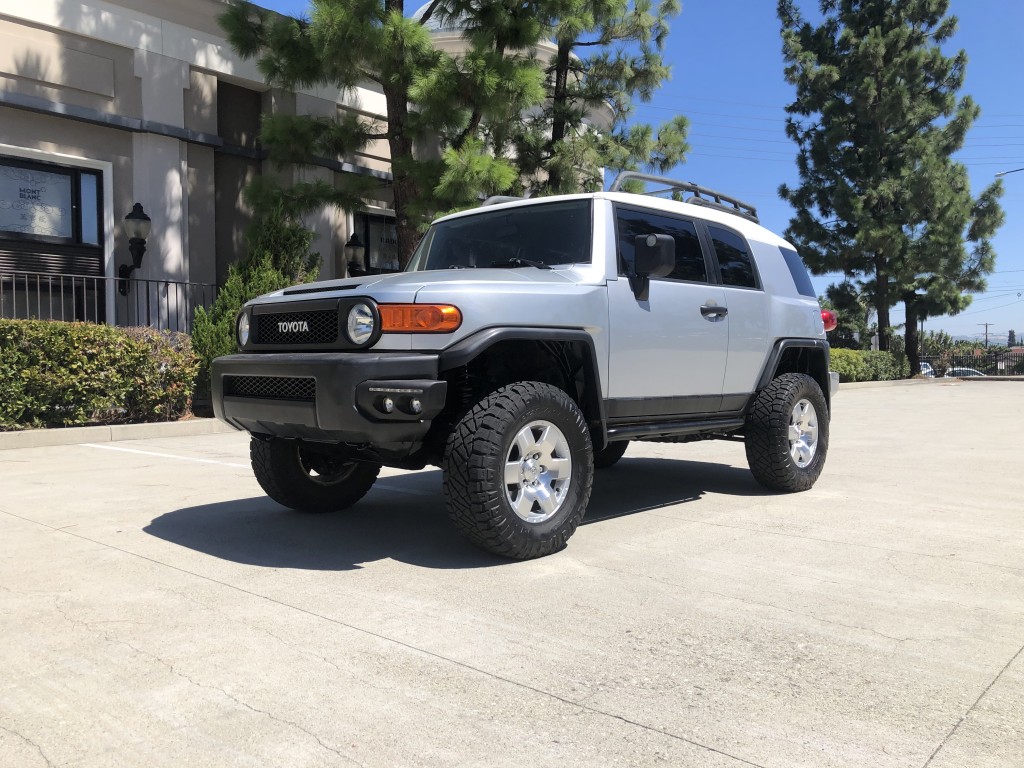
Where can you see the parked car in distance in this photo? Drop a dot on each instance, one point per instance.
(927, 370)
(962, 373)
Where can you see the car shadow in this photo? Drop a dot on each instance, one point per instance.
(403, 518)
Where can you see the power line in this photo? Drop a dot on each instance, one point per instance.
(991, 309)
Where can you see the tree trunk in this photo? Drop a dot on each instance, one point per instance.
(882, 302)
(911, 338)
(404, 185)
(559, 97)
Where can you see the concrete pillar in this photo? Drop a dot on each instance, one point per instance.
(160, 181)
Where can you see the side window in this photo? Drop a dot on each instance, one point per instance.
(734, 259)
(689, 257)
(799, 272)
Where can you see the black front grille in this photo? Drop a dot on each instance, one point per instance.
(317, 327)
(271, 387)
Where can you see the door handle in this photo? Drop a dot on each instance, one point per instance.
(713, 311)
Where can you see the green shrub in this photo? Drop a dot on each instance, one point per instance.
(279, 257)
(55, 374)
(850, 365)
(885, 366)
(166, 381)
(856, 365)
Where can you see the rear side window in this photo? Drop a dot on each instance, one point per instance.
(734, 260)
(690, 264)
(799, 273)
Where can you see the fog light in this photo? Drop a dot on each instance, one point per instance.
(388, 405)
(415, 406)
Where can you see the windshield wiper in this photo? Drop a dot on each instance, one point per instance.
(515, 261)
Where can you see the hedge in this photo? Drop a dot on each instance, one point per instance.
(856, 365)
(55, 374)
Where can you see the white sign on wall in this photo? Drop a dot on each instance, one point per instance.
(34, 202)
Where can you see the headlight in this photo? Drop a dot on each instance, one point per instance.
(360, 324)
(243, 329)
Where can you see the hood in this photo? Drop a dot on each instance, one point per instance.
(402, 287)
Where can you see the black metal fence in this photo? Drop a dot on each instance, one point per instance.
(161, 304)
(994, 363)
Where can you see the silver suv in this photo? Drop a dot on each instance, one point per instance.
(526, 344)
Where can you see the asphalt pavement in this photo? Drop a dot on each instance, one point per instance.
(156, 609)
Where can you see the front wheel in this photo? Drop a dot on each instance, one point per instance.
(787, 433)
(518, 470)
(309, 480)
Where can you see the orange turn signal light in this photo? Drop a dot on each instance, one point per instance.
(419, 318)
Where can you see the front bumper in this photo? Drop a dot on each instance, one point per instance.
(343, 397)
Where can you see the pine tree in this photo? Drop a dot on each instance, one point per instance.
(503, 115)
(876, 120)
(852, 329)
(606, 54)
(347, 42)
(1011, 339)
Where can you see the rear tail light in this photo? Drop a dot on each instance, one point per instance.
(828, 317)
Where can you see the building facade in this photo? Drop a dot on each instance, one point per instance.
(105, 104)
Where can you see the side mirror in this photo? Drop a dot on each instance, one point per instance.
(653, 256)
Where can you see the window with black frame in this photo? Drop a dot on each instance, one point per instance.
(379, 236)
(734, 260)
(630, 223)
(51, 241)
(50, 217)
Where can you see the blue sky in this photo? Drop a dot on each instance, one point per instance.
(727, 79)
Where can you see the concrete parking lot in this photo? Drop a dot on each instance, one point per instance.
(157, 610)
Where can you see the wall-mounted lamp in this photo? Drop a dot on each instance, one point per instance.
(136, 225)
(354, 250)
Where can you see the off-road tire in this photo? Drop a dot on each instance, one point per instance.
(768, 433)
(610, 454)
(487, 439)
(307, 481)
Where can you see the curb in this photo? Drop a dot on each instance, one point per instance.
(917, 382)
(890, 383)
(40, 438)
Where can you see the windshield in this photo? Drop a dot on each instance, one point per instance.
(541, 235)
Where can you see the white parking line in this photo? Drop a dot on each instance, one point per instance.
(383, 486)
(165, 455)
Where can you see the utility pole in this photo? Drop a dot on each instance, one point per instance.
(986, 332)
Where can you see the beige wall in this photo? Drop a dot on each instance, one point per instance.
(165, 64)
(76, 140)
(202, 215)
(68, 69)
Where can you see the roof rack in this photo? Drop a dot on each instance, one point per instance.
(496, 199)
(698, 195)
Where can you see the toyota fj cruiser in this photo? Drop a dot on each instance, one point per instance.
(525, 345)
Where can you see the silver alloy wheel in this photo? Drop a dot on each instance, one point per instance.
(803, 433)
(538, 468)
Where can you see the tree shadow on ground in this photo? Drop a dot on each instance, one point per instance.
(403, 518)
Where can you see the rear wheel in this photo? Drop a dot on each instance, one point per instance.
(787, 433)
(518, 469)
(307, 479)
